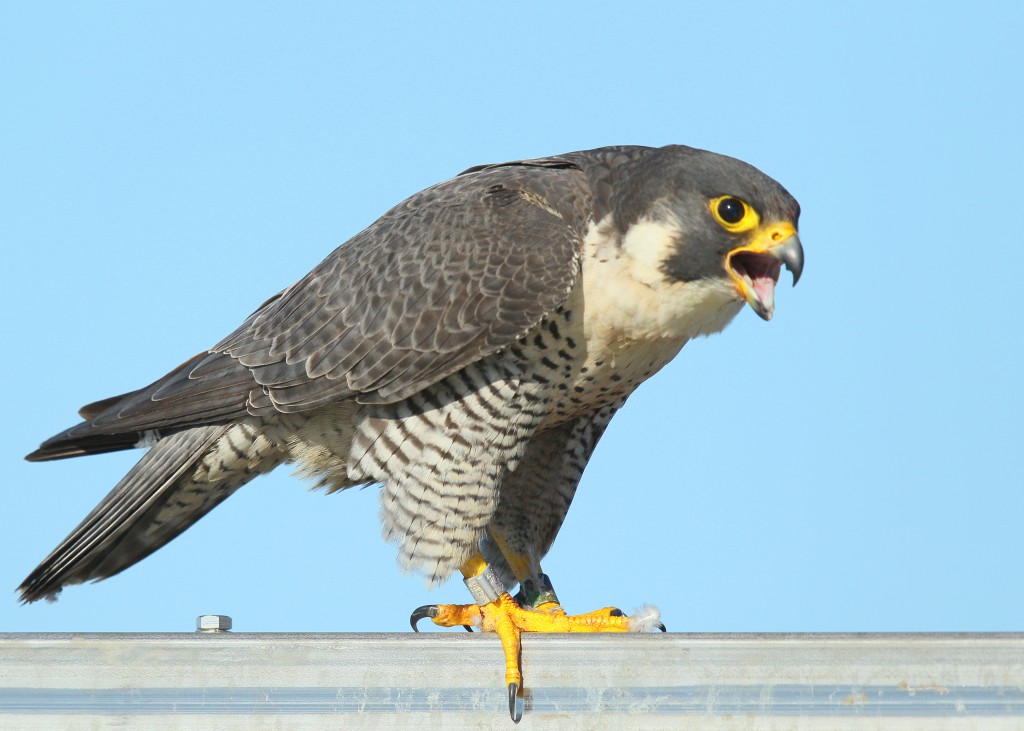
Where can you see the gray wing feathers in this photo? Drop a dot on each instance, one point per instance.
(454, 273)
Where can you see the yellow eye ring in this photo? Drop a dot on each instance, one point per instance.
(733, 214)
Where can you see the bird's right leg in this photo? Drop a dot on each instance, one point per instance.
(492, 612)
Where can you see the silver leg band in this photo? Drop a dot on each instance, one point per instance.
(485, 588)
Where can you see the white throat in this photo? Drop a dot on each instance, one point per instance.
(626, 295)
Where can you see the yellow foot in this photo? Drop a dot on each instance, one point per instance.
(509, 621)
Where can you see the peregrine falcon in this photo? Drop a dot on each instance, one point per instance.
(465, 352)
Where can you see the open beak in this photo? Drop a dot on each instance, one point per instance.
(755, 267)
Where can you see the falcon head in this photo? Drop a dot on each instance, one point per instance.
(730, 224)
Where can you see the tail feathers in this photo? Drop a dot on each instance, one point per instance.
(177, 482)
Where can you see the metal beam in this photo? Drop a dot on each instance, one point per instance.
(225, 680)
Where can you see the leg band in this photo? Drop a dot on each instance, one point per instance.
(536, 590)
(485, 587)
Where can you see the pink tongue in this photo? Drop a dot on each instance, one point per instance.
(765, 288)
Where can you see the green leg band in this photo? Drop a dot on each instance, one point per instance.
(534, 591)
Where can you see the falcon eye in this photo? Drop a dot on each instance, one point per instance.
(730, 210)
(733, 214)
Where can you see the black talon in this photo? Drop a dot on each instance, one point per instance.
(427, 611)
(467, 628)
(514, 708)
(660, 626)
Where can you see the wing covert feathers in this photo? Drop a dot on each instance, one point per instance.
(450, 275)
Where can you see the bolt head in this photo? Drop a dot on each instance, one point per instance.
(213, 623)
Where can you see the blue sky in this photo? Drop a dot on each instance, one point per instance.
(847, 466)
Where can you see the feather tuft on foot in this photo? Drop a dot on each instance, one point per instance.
(645, 618)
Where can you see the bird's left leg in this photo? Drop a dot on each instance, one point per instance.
(536, 611)
(537, 595)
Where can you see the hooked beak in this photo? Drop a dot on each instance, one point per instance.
(755, 267)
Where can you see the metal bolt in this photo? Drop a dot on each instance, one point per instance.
(213, 623)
